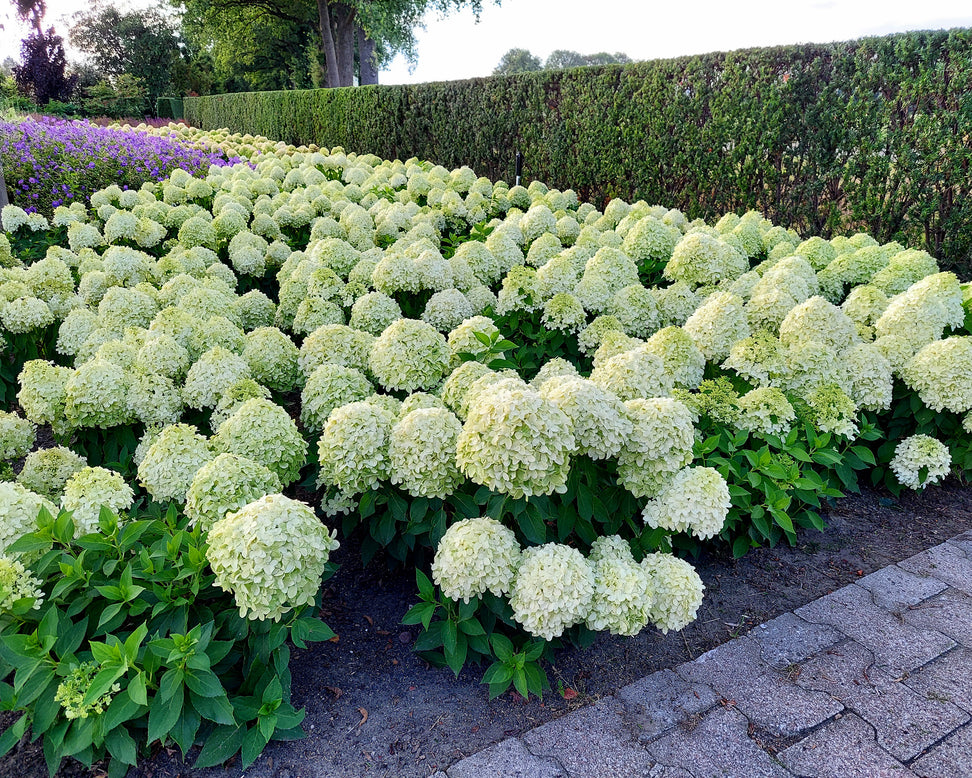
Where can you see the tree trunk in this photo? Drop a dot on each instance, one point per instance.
(367, 67)
(3, 189)
(344, 42)
(331, 69)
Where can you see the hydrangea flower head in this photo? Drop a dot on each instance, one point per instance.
(917, 453)
(263, 431)
(422, 452)
(353, 448)
(695, 500)
(515, 442)
(46, 470)
(90, 489)
(409, 355)
(19, 507)
(553, 590)
(271, 554)
(475, 556)
(676, 591)
(226, 484)
(597, 417)
(659, 446)
(16, 435)
(172, 461)
(622, 599)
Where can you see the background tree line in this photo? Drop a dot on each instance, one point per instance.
(522, 61)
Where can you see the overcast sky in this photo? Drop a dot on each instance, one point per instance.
(458, 47)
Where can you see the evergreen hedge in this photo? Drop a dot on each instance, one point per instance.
(872, 134)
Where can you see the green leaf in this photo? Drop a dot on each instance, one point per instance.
(520, 682)
(35, 541)
(122, 709)
(449, 636)
(472, 627)
(185, 729)
(172, 681)
(864, 454)
(532, 526)
(163, 714)
(121, 746)
(457, 657)
(11, 736)
(420, 613)
(216, 709)
(502, 647)
(102, 683)
(204, 683)
(425, 586)
(223, 743)
(253, 744)
(317, 630)
(273, 692)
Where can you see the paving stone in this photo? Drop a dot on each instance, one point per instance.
(843, 748)
(788, 639)
(592, 742)
(895, 589)
(905, 722)
(768, 699)
(949, 759)
(662, 771)
(949, 613)
(895, 643)
(717, 747)
(662, 700)
(947, 678)
(946, 562)
(964, 542)
(507, 759)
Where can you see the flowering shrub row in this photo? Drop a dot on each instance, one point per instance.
(541, 399)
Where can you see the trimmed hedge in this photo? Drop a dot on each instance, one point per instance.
(871, 134)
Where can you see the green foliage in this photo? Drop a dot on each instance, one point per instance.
(133, 644)
(827, 138)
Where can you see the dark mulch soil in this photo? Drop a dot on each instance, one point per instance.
(374, 708)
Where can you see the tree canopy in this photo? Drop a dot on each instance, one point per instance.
(522, 61)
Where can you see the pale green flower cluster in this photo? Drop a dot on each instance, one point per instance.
(16, 584)
(680, 356)
(767, 411)
(552, 590)
(373, 312)
(695, 500)
(700, 259)
(409, 355)
(19, 507)
(271, 555)
(226, 484)
(272, 359)
(920, 453)
(172, 461)
(622, 597)
(331, 386)
(564, 312)
(676, 591)
(447, 309)
(338, 344)
(476, 556)
(46, 470)
(16, 435)
(718, 323)
(353, 448)
(597, 417)
(659, 446)
(71, 692)
(462, 339)
(422, 452)
(90, 489)
(637, 373)
(941, 374)
(264, 432)
(515, 442)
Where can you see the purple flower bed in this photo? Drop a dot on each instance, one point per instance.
(49, 162)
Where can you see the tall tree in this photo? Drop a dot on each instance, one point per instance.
(517, 61)
(139, 43)
(353, 37)
(42, 72)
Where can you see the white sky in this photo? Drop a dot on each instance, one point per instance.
(456, 47)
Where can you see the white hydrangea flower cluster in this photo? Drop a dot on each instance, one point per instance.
(552, 590)
(264, 432)
(676, 591)
(224, 485)
(637, 373)
(422, 452)
(17, 435)
(941, 373)
(718, 323)
(331, 386)
(682, 359)
(476, 556)
(515, 442)
(19, 507)
(17, 583)
(462, 339)
(917, 453)
(353, 448)
(766, 410)
(172, 461)
(622, 597)
(271, 555)
(597, 417)
(409, 355)
(695, 500)
(90, 489)
(46, 470)
(660, 444)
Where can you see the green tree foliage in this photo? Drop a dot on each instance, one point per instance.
(517, 61)
(830, 139)
(300, 43)
(561, 59)
(139, 43)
